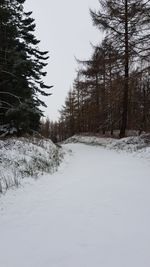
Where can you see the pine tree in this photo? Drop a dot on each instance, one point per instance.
(21, 66)
(68, 112)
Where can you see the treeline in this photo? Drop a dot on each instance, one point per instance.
(21, 70)
(112, 88)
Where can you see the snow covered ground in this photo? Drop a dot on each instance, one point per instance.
(139, 146)
(94, 212)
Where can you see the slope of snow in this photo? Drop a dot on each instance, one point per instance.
(24, 157)
(94, 212)
(137, 145)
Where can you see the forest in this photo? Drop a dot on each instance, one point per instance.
(111, 90)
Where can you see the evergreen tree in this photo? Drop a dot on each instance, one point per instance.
(21, 66)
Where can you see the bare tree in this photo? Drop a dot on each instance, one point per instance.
(127, 23)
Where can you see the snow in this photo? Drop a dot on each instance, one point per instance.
(139, 146)
(23, 157)
(93, 212)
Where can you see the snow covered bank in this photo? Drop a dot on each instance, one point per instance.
(20, 158)
(139, 145)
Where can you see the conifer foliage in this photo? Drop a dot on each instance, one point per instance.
(21, 69)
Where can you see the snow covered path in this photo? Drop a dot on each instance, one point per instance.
(95, 212)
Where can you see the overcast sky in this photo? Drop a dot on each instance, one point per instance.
(65, 30)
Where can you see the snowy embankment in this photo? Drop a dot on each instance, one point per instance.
(137, 145)
(24, 157)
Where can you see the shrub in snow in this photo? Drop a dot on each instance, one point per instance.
(24, 157)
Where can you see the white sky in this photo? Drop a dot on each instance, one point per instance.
(65, 30)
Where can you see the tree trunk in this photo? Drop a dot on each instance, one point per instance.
(126, 84)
